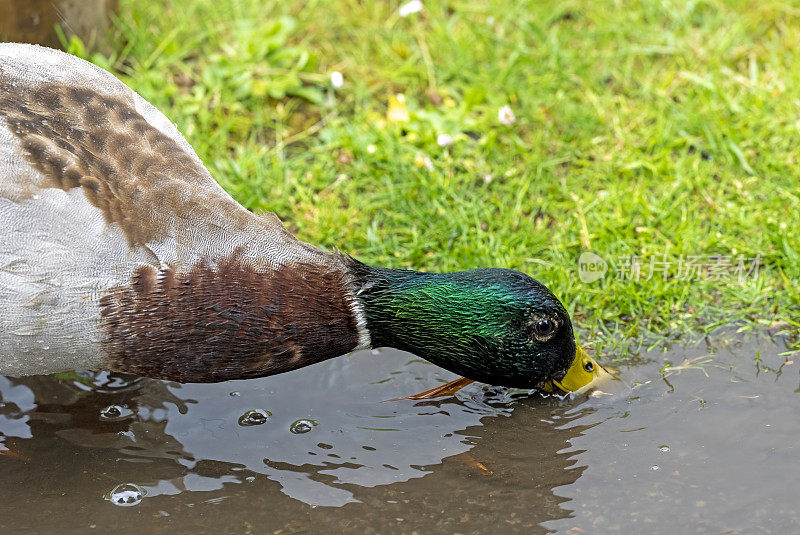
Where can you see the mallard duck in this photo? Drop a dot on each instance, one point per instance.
(120, 252)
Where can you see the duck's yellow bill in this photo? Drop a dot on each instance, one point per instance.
(585, 372)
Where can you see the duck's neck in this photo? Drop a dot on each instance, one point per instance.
(437, 316)
(232, 322)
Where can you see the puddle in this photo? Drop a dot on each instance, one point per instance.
(710, 447)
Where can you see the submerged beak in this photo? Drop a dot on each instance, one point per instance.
(584, 373)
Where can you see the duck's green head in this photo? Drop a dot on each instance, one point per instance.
(497, 326)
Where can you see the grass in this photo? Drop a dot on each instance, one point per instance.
(650, 129)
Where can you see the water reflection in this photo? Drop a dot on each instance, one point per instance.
(708, 445)
(322, 435)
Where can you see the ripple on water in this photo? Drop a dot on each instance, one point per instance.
(103, 382)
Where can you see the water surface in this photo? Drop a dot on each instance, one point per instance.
(708, 446)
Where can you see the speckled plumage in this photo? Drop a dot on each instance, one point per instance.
(95, 183)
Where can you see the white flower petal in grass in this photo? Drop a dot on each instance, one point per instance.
(337, 80)
(444, 140)
(415, 6)
(505, 115)
(371, 149)
(421, 160)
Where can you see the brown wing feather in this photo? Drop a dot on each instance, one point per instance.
(144, 180)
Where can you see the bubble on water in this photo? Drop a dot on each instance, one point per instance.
(234, 394)
(664, 448)
(655, 467)
(112, 411)
(115, 413)
(254, 417)
(126, 495)
(302, 425)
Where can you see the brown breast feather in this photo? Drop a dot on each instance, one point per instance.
(227, 322)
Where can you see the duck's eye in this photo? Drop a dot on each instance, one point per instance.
(543, 328)
(588, 366)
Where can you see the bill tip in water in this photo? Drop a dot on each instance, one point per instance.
(583, 374)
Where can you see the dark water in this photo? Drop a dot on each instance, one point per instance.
(708, 448)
